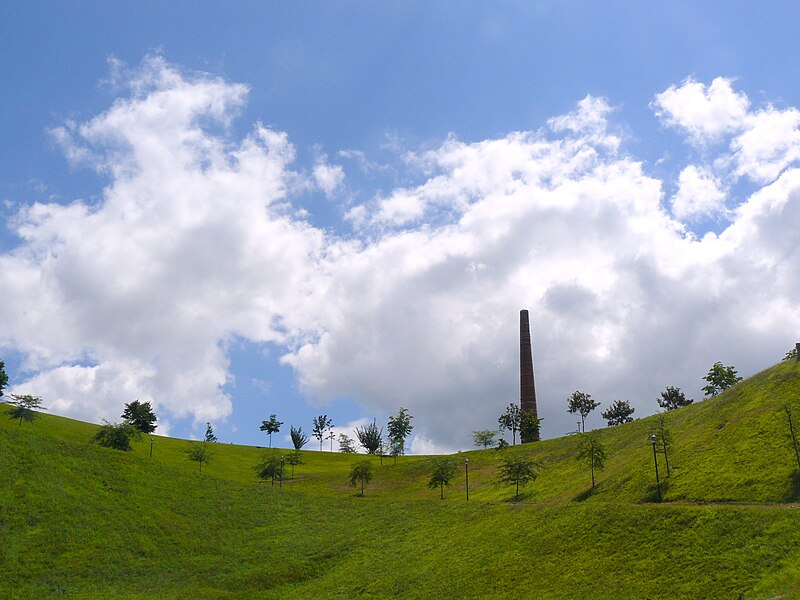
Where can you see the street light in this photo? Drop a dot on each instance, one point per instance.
(466, 471)
(280, 484)
(151, 448)
(654, 441)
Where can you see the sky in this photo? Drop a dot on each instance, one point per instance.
(239, 209)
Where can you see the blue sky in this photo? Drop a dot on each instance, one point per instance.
(242, 209)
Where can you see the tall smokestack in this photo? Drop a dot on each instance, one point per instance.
(527, 389)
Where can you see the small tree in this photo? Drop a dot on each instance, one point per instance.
(791, 421)
(24, 407)
(519, 470)
(361, 472)
(502, 444)
(293, 459)
(3, 377)
(529, 426)
(346, 444)
(443, 470)
(618, 413)
(370, 437)
(483, 438)
(790, 355)
(398, 429)
(719, 379)
(321, 424)
(663, 437)
(269, 468)
(210, 437)
(199, 452)
(140, 415)
(592, 452)
(271, 426)
(299, 439)
(116, 435)
(581, 403)
(510, 420)
(672, 398)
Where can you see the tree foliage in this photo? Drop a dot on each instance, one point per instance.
(140, 415)
(719, 379)
(24, 407)
(443, 469)
(510, 420)
(271, 426)
(294, 458)
(581, 403)
(199, 452)
(299, 439)
(529, 426)
(592, 452)
(519, 471)
(116, 435)
(370, 437)
(361, 472)
(790, 355)
(484, 438)
(398, 429)
(346, 444)
(618, 413)
(210, 437)
(672, 398)
(321, 424)
(269, 468)
(3, 377)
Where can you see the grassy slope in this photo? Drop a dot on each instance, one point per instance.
(95, 523)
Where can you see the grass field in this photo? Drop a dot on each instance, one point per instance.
(81, 521)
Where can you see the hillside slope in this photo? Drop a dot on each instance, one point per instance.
(82, 521)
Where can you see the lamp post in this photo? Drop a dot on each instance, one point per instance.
(654, 440)
(466, 472)
(151, 448)
(280, 481)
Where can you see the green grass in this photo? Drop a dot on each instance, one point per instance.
(81, 521)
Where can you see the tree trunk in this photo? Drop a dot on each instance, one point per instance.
(666, 457)
(441, 488)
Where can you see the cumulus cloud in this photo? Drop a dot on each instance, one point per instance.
(705, 113)
(196, 242)
(699, 195)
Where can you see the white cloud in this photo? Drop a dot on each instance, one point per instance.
(196, 241)
(328, 177)
(699, 195)
(706, 114)
(769, 143)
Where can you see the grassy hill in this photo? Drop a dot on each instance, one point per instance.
(81, 521)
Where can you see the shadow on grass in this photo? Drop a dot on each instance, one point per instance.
(586, 494)
(652, 493)
(792, 493)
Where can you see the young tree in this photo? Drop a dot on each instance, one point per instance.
(519, 470)
(199, 452)
(361, 471)
(370, 437)
(140, 415)
(443, 470)
(271, 426)
(502, 444)
(672, 398)
(269, 468)
(618, 413)
(663, 437)
(483, 438)
(529, 426)
(346, 444)
(399, 429)
(293, 459)
(3, 377)
(299, 439)
(321, 424)
(581, 403)
(592, 452)
(790, 355)
(24, 407)
(510, 420)
(210, 437)
(719, 379)
(116, 435)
